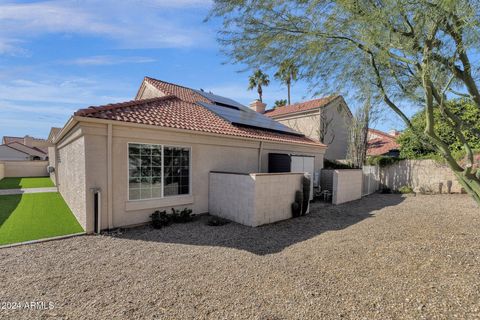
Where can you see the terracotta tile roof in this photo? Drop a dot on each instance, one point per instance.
(301, 106)
(183, 93)
(7, 139)
(382, 143)
(174, 112)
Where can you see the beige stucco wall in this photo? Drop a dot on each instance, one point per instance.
(148, 91)
(71, 176)
(347, 185)
(337, 135)
(2, 171)
(208, 153)
(426, 174)
(25, 168)
(253, 199)
(306, 123)
(52, 161)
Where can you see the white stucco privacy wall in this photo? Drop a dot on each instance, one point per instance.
(253, 199)
(347, 185)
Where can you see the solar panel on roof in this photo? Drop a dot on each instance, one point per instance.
(219, 99)
(248, 117)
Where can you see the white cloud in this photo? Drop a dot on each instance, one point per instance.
(108, 60)
(76, 91)
(131, 24)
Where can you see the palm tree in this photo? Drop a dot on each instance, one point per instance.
(258, 79)
(287, 72)
(280, 103)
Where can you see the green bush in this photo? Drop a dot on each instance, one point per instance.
(382, 161)
(162, 219)
(405, 189)
(328, 164)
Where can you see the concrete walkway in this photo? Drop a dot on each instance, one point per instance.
(29, 190)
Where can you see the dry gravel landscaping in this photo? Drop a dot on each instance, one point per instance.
(383, 257)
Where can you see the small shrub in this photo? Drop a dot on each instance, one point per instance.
(405, 190)
(329, 164)
(382, 161)
(217, 221)
(160, 219)
(185, 215)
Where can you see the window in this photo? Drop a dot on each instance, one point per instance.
(157, 171)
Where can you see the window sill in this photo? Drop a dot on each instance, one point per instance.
(158, 203)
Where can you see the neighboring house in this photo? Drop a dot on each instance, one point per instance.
(36, 148)
(9, 153)
(326, 120)
(157, 151)
(383, 144)
(36, 143)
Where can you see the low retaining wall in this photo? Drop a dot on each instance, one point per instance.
(253, 199)
(347, 185)
(344, 184)
(24, 169)
(424, 175)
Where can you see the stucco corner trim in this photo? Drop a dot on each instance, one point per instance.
(158, 203)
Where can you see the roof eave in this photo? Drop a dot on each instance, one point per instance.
(138, 125)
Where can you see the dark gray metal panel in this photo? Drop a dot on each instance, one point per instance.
(220, 99)
(248, 117)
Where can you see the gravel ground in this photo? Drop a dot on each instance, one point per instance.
(383, 257)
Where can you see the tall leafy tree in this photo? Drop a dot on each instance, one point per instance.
(287, 72)
(414, 146)
(408, 52)
(258, 80)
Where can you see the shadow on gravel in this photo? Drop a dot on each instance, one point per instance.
(271, 238)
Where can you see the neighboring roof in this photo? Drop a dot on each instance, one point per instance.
(182, 112)
(301, 106)
(382, 143)
(10, 147)
(8, 139)
(53, 132)
(183, 93)
(14, 145)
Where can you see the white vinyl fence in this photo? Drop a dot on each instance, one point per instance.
(371, 180)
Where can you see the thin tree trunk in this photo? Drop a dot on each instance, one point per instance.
(259, 90)
(288, 89)
(471, 184)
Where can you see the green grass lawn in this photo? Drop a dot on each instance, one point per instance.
(35, 216)
(23, 183)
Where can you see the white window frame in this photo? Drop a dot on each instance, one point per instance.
(163, 145)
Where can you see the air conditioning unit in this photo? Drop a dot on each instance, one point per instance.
(50, 169)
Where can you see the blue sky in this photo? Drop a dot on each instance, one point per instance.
(59, 56)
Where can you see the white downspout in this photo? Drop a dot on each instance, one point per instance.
(260, 150)
(109, 177)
